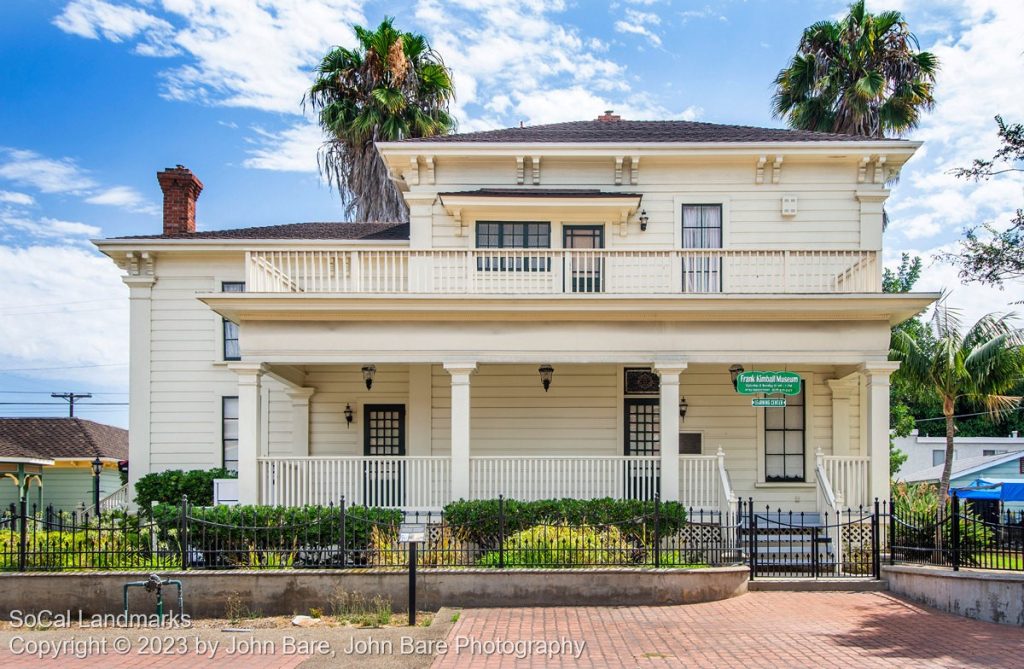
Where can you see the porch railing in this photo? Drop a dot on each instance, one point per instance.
(560, 271)
(401, 482)
(584, 477)
(849, 476)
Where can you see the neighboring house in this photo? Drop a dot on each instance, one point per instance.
(925, 452)
(561, 317)
(58, 454)
(1003, 468)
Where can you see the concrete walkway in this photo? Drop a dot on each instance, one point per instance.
(760, 629)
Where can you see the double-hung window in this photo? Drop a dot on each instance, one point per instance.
(702, 229)
(231, 348)
(784, 439)
(229, 432)
(513, 235)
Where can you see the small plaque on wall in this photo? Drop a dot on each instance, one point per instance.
(641, 381)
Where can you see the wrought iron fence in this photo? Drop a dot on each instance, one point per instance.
(346, 537)
(959, 535)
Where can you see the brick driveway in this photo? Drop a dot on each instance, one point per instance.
(760, 629)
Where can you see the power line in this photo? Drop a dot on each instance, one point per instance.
(56, 404)
(964, 415)
(71, 397)
(44, 392)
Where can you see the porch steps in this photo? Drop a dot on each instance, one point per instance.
(784, 543)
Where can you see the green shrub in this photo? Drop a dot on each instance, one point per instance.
(479, 520)
(916, 510)
(169, 486)
(563, 546)
(277, 536)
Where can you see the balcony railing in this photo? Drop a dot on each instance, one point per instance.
(556, 272)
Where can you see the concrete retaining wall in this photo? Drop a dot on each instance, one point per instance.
(207, 593)
(997, 597)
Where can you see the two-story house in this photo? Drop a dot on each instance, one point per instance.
(566, 314)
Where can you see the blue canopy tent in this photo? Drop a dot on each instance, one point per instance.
(981, 489)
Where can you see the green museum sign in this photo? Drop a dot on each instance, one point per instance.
(769, 383)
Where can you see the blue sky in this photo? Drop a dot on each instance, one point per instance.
(100, 94)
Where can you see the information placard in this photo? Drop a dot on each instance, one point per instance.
(769, 383)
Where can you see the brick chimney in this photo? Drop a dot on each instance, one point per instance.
(609, 117)
(181, 190)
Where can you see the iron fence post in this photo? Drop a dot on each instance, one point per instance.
(752, 536)
(183, 532)
(501, 531)
(23, 529)
(657, 530)
(954, 532)
(815, 558)
(892, 531)
(876, 558)
(343, 540)
(412, 583)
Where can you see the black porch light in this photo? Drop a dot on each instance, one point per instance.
(368, 373)
(349, 414)
(546, 371)
(683, 406)
(644, 218)
(735, 372)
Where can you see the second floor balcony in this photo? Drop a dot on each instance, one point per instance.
(563, 271)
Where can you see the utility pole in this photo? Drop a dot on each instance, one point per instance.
(71, 397)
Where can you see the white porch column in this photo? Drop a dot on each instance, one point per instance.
(460, 372)
(300, 419)
(877, 376)
(669, 435)
(140, 287)
(250, 378)
(842, 393)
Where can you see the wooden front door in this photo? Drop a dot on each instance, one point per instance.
(642, 437)
(585, 269)
(384, 436)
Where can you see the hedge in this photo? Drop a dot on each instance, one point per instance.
(168, 487)
(479, 519)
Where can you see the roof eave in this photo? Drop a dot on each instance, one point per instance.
(739, 148)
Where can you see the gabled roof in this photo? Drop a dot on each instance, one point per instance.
(51, 438)
(963, 467)
(317, 230)
(640, 132)
(532, 191)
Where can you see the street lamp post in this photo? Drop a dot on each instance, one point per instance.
(97, 469)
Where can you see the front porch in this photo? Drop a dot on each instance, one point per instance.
(423, 435)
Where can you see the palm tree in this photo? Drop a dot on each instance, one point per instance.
(392, 85)
(980, 365)
(863, 75)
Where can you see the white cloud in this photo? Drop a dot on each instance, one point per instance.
(291, 150)
(11, 197)
(637, 29)
(124, 197)
(95, 18)
(242, 54)
(45, 227)
(89, 326)
(47, 175)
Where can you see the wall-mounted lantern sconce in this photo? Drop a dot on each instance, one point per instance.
(546, 371)
(368, 373)
(349, 415)
(683, 406)
(644, 218)
(735, 372)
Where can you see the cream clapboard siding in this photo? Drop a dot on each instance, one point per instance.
(188, 376)
(829, 215)
(337, 386)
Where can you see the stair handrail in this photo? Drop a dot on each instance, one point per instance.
(726, 495)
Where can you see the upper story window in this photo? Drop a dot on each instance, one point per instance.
(229, 432)
(702, 226)
(513, 235)
(231, 348)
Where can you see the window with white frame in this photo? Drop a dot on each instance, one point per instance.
(784, 439)
(938, 457)
(229, 433)
(702, 229)
(232, 351)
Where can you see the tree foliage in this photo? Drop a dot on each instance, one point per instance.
(862, 75)
(988, 255)
(981, 364)
(391, 86)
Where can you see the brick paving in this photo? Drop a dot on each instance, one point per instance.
(760, 629)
